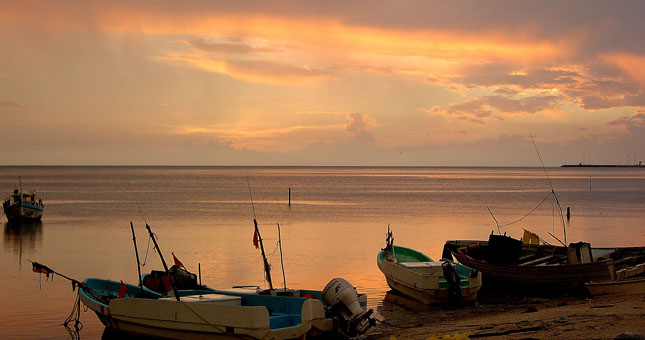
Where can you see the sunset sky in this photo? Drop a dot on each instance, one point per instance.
(321, 82)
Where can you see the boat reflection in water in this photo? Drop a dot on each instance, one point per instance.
(20, 237)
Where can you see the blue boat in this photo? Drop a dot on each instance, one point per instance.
(216, 314)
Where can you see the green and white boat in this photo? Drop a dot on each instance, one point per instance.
(414, 274)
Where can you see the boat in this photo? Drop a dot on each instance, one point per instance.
(209, 315)
(416, 275)
(23, 206)
(337, 309)
(628, 281)
(617, 287)
(506, 261)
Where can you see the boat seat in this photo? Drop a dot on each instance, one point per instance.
(420, 264)
(279, 320)
(217, 299)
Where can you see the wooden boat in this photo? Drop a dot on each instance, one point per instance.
(617, 287)
(209, 315)
(628, 281)
(23, 206)
(505, 261)
(416, 275)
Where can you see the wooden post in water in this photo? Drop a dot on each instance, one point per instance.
(589, 182)
(289, 196)
(568, 213)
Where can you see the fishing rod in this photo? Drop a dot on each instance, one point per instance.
(267, 266)
(170, 278)
(564, 228)
(257, 238)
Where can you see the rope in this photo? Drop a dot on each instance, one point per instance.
(530, 212)
(147, 250)
(219, 328)
(75, 316)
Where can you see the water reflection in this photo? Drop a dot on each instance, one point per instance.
(113, 334)
(21, 237)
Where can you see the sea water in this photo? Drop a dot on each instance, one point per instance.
(334, 227)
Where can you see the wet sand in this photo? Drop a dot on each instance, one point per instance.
(577, 317)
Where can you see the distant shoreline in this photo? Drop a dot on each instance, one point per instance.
(601, 166)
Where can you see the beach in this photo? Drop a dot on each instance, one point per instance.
(572, 317)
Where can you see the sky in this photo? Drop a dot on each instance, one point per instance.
(402, 83)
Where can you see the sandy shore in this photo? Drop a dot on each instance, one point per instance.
(581, 317)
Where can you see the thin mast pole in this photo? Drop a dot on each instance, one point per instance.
(136, 252)
(172, 283)
(284, 279)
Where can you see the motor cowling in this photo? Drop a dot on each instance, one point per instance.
(343, 305)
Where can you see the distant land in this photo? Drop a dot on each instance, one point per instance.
(580, 165)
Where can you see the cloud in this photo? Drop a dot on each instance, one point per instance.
(594, 102)
(633, 124)
(253, 70)
(477, 110)
(12, 104)
(227, 47)
(359, 128)
(504, 74)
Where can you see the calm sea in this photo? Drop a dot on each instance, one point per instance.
(334, 227)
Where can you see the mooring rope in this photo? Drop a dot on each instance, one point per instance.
(75, 316)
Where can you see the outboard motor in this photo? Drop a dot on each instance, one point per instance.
(342, 304)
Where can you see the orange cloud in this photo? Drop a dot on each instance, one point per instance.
(631, 65)
(290, 138)
(325, 37)
(252, 70)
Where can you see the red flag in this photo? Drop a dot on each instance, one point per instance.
(177, 262)
(39, 268)
(255, 239)
(122, 290)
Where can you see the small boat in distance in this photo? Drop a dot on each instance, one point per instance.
(416, 275)
(22, 206)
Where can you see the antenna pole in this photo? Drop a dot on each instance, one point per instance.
(284, 279)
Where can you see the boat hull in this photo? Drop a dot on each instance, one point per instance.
(23, 213)
(564, 274)
(423, 286)
(603, 267)
(617, 287)
(430, 296)
(219, 317)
